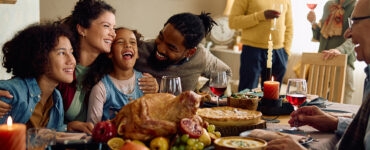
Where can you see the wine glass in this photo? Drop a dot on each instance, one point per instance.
(170, 84)
(218, 83)
(277, 7)
(296, 94)
(311, 4)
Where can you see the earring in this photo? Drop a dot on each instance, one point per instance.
(187, 59)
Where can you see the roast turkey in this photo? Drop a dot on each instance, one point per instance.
(155, 115)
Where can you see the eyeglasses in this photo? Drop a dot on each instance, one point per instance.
(352, 20)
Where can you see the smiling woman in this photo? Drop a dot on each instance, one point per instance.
(46, 61)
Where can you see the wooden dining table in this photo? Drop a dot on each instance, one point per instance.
(323, 140)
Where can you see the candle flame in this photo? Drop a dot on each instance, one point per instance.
(272, 78)
(10, 121)
(270, 37)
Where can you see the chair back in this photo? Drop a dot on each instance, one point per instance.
(325, 78)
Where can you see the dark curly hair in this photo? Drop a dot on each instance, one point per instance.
(84, 13)
(193, 27)
(27, 54)
(103, 64)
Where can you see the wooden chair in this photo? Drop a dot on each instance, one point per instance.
(325, 76)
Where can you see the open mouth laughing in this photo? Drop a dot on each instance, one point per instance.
(160, 56)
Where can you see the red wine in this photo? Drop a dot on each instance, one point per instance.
(218, 90)
(311, 6)
(296, 99)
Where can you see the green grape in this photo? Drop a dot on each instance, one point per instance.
(178, 140)
(211, 128)
(181, 147)
(188, 147)
(199, 145)
(174, 148)
(184, 138)
(191, 142)
(218, 134)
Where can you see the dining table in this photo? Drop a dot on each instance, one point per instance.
(322, 140)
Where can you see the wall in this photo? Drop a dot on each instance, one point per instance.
(148, 16)
(15, 17)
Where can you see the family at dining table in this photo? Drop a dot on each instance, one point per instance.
(176, 51)
(77, 71)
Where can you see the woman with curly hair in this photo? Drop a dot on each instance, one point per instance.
(119, 82)
(40, 57)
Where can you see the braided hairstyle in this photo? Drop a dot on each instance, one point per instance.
(193, 27)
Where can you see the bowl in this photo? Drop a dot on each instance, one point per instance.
(245, 101)
(239, 143)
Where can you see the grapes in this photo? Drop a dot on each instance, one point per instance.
(185, 138)
(199, 145)
(174, 148)
(211, 128)
(181, 147)
(178, 140)
(191, 142)
(218, 134)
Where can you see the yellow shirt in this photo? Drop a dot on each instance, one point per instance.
(41, 114)
(248, 15)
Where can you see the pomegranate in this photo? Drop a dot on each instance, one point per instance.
(103, 131)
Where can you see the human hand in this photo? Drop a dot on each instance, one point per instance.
(86, 127)
(311, 17)
(4, 107)
(148, 84)
(329, 54)
(271, 14)
(313, 116)
(285, 143)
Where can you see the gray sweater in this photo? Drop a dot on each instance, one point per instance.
(200, 64)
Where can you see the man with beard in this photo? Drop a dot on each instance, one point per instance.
(175, 52)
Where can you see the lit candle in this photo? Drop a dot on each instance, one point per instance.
(12, 136)
(271, 89)
(269, 53)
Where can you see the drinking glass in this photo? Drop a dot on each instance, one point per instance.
(296, 93)
(170, 84)
(311, 4)
(40, 138)
(218, 83)
(277, 7)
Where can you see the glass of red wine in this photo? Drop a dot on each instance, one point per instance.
(296, 93)
(170, 84)
(218, 83)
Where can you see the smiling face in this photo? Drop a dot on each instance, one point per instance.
(360, 30)
(61, 62)
(124, 50)
(99, 36)
(170, 47)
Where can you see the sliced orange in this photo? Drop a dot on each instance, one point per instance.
(116, 143)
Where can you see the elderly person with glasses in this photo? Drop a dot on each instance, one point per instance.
(357, 130)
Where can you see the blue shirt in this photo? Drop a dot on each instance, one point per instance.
(115, 99)
(26, 94)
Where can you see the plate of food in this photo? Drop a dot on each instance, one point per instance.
(269, 135)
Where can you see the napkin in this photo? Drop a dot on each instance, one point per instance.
(67, 137)
(272, 135)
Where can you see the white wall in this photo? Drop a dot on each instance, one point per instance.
(147, 16)
(15, 17)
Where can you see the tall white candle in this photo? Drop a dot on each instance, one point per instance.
(269, 53)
